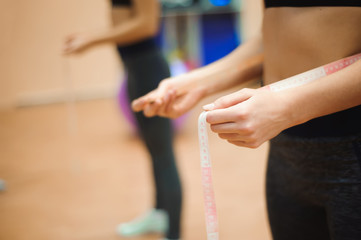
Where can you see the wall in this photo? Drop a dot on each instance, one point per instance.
(32, 69)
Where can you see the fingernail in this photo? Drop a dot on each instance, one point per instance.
(208, 107)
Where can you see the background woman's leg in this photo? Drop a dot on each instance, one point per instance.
(144, 74)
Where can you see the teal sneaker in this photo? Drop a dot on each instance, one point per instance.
(153, 221)
(2, 185)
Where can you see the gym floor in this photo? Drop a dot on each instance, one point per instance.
(73, 172)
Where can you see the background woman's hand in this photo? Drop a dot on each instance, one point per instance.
(173, 97)
(76, 43)
(249, 117)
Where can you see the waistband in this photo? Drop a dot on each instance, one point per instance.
(121, 3)
(314, 3)
(138, 47)
(340, 124)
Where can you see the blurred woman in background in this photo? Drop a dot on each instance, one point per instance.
(135, 26)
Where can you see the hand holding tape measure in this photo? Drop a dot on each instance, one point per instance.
(250, 117)
(220, 118)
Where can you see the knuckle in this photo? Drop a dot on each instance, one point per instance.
(223, 136)
(213, 127)
(253, 142)
(254, 145)
(247, 90)
(252, 139)
(246, 128)
(241, 115)
(220, 102)
(165, 83)
(243, 90)
(250, 130)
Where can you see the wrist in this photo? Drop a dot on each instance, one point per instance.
(92, 39)
(294, 110)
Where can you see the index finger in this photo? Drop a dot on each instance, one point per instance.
(224, 115)
(140, 103)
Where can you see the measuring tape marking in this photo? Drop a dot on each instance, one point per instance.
(206, 175)
(313, 74)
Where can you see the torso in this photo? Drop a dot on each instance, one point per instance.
(120, 14)
(299, 39)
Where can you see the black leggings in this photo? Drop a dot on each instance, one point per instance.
(314, 188)
(145, 70)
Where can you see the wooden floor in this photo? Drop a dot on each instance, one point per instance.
(73, 172)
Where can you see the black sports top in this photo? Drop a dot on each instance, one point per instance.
(137, 47)
(125, 3)
(312, 3)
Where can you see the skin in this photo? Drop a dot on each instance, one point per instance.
(293, 40)
(129, 25)
(177, 95)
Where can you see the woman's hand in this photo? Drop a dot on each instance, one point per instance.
(249, 117)
(76, 43)
(173, 97)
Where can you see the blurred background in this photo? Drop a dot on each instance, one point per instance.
(71, 164)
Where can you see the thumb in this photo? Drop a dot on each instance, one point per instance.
(230, 99)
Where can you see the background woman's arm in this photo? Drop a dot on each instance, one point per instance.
(142, 23)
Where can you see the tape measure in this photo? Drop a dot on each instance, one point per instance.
(206, 168)
(206, 175)
(313, 74)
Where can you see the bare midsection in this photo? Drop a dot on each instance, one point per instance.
(299, 39)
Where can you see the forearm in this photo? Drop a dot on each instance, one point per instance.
(177, 95)
(330, 94)
(243, 64)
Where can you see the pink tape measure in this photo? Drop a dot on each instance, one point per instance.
(313, 74)
(206, 174)
(206, 168)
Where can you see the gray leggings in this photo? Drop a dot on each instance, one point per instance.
(314, 188)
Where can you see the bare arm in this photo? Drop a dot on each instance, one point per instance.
(251, 117)
(175, 96)
(330, 94)
(241, 65)
(142, 23)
